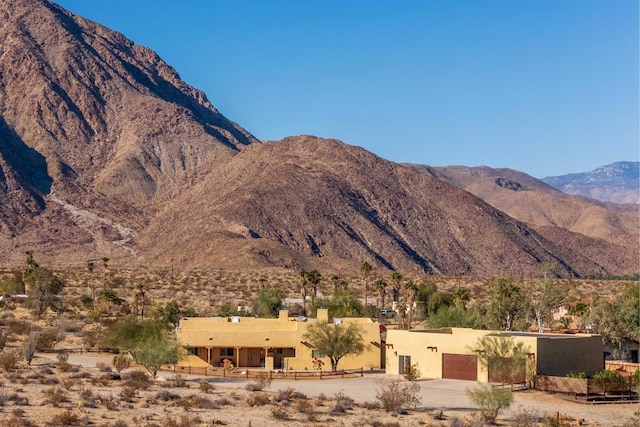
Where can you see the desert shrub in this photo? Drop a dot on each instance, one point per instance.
(205, 386)
(344, 400)
(257, 399)
(90, 338)
(103, 367)
(47, 339)
(64, 367)
(15, 420)
(120, 423)
(201, 402)
(178, 380)
(491, 400)
(371, 405)
(572, 374)
(19, 400)
(19, 327)
(280, 413)
(68, 418)
(29, 347)
(263, 380)
(9, 360)
(3, 340)
(166, 396)
(526, 418)
(55, 396)
(396, 397)
(69, 383)
(411, 372)
(608, 380)
(48, 381)
(110, 402)
(63, 357)
(136, 379)
(121, 361)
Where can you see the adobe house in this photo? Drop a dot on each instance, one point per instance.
(269, 343)
(447, 353)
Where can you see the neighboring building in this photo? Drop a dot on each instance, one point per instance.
(447, 353)
(269, 343)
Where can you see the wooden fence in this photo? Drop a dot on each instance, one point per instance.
(588, 389)
(616, 365)
(273, 374)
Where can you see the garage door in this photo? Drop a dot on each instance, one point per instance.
(460, 366)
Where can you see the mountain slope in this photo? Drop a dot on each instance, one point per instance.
(341, 205)
(534, 202)
(102, 122)
(618, 182)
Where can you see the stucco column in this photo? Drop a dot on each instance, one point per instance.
(237, 354)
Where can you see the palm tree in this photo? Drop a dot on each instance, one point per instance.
(396, 278)
(411, 290)
(365, 269)
(91, 266)
(381, 287)
(335, 280)
(105, 264)
(314, 278)
(401, 308)
(303, 275)
(138, 300)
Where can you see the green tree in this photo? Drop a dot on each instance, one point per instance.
(172, 313)
(314, 278)
(396, 282)
(268, 302)
(147, 341)
(461, 297)
(508, 306)
(381, 286)
(545, 297)
(411, 290)
(618, 321)
(335, 340)
(335, 281)
(44, 289)
(454, 316)
(502, 355)
(365, 270)
(304, 281)
(343, 303)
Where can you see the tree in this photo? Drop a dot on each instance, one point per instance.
(365, 270)
(508, 306)
(304, 276)
(618, 320)
(335, 281)
(454, 316)
(147, 341)
(401, 308)
(172, 313)
(105, 264)
(268, 302)
(545, 297)
(91, 267)
(44, 289)
(343, 303)
(411, 290)
(335, 340)
(314, 278)
(461, 297)
(138, 300)
(396, 280)
(381, 286)
(503, 355)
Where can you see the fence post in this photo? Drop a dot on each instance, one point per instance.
(270, 374)
(295, 375)
(361, 371)
(247, 371)
(320, 373)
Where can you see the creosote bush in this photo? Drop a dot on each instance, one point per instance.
(491, 400)
(396, 396)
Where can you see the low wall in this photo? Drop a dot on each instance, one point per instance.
(615, 365)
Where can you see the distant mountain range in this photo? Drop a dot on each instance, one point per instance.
(618, 182)
(105, 151)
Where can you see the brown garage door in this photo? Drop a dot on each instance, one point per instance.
(460, 366)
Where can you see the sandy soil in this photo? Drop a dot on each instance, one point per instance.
(97, 401)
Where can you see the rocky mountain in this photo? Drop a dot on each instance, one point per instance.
(618, 183)
(104, 151)
(534, 202)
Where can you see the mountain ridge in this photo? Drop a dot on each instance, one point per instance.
(104, 151)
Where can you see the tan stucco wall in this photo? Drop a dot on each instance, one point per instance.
(562, 352)
(284, 332)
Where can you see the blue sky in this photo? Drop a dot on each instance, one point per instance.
(547, 87)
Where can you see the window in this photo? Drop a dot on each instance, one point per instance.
(279, 351)
(404, 362)
(193, 351)
(316, 353)
(228, 351)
